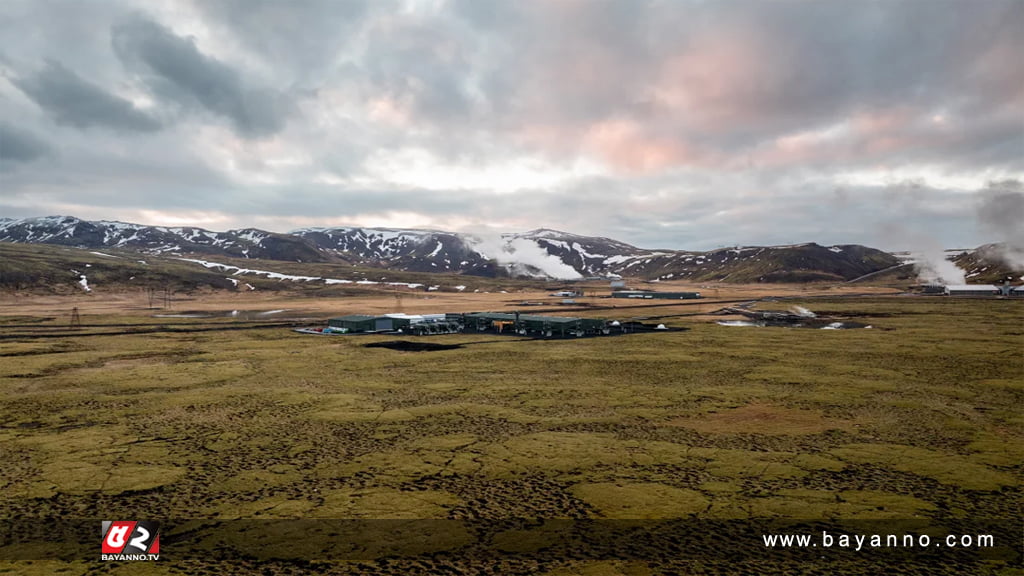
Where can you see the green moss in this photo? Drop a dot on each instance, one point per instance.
(641, 500)
(946, 468)
(385, 503)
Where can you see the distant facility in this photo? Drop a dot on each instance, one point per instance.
(973, 290)
(655, 295)
(532, 325)
(417, 323)
(494, 322)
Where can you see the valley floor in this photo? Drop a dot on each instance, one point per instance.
(717, 428)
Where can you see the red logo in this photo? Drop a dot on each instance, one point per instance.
(130, 540)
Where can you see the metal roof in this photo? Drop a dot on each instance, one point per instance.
(355, 318)
(523, 317)
(962, 287)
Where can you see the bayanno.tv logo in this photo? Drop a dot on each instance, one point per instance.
(124, 540)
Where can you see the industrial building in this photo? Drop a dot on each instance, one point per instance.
(973, 290)
(533, 325)
(1007, 290)
(494, 322)
(646, 294)
(420, 323)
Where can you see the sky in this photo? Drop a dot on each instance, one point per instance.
(666, 124)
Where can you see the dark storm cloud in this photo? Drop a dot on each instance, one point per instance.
(176, 70)
(71, 100)
(17, 146)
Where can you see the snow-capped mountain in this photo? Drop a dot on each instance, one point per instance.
(538, 253)
(71, 231)
(411, 250)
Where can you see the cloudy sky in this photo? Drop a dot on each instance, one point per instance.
(675, 124)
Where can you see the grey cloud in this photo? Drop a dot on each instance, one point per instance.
(1001, 213)
(176, 70)
(577, 63)
(71, 100)
(302, 39)
(18, 146)
(424, 63)
(477, 84)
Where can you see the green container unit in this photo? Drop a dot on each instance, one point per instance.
(428, 328)
(532, 325)
(365, 323)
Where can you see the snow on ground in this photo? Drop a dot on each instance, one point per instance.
(291, 277)
(105, 255)
(269, 312)
(233, 281)
(579, 248)
(460, 288)
(237, 271)
(618, 259)
(84, 282)
(801, 311)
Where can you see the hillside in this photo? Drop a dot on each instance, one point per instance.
(67, 270)
(798, 263)
(541, 253)
(988, 265)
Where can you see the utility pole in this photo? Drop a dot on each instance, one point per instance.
(76, 322)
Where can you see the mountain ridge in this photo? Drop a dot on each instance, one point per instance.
(541, 252)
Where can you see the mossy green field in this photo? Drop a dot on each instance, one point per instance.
(918, 417)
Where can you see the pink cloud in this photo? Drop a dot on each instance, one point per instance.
(625, 145)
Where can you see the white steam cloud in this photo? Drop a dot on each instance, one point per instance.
(933, 267)
(1001, 212)
(520, 256)
(926, 251)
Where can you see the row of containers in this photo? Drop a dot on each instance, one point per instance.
(495, 322)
